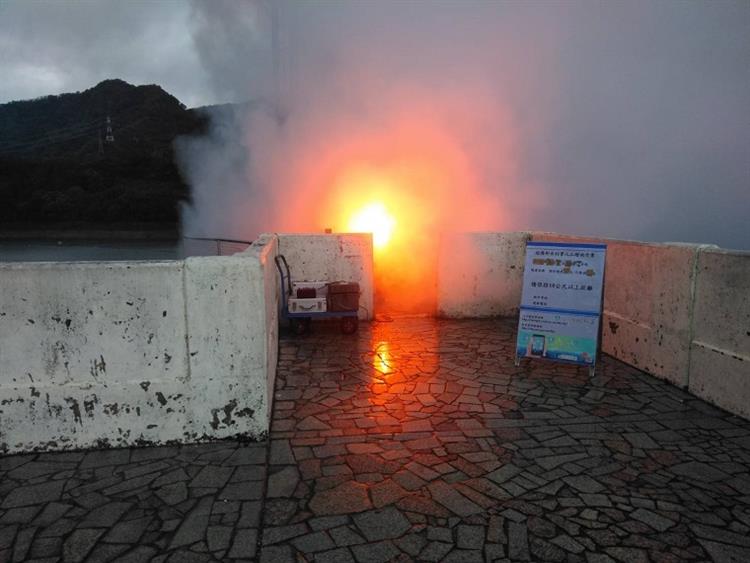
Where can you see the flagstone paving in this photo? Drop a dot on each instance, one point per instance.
(412, 440)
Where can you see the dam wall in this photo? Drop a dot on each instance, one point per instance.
(106, 354)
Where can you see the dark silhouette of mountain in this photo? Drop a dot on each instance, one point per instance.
(61, 165)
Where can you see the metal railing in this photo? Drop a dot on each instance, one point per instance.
(199, 246)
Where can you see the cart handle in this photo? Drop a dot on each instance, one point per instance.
(279, 259)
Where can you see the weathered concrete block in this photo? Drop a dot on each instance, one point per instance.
(480, 274)
(226, 345)
(131, 353)
(333, 257)
(720, 350)
(91, 323)
(85, 346)
(266, 249)
(647, 303)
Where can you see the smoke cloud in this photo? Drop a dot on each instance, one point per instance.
(360, 98)
(623, 119)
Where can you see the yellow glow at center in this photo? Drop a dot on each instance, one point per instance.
(381, 361)
(374, 218)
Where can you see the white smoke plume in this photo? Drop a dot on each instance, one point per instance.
(617, 119)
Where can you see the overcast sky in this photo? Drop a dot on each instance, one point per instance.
(626, 119)
(64, 46)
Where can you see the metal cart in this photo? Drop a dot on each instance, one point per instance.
(300, 322)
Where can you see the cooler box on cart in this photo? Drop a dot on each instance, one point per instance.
(309, 297)
(308, 305)
(303, 301)
(343, 296)
(307, 289)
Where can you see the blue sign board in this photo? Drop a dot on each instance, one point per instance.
(561, 302)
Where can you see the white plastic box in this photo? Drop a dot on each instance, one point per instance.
(311, 305)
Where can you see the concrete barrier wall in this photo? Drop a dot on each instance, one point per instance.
(677, 311)
(333, 257)
(720, 347)
(123, 353)
(480, 274)
(266, 248)
(647, 304)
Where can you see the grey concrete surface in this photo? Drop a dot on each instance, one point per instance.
(415, 440)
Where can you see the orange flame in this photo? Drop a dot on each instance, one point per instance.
(406, 184)
(374, 218)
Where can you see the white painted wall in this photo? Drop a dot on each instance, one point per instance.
(123, 353)
(332, 257)
(480, 274)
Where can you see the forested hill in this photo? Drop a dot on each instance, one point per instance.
(59, 165)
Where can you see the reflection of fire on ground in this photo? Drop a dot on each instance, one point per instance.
(456, 433)
(381, 359)
(394, 358)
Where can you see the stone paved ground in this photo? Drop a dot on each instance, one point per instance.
(415, 440)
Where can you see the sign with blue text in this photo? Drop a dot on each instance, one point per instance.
(561, 302)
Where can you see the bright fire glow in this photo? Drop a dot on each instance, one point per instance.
(374, 218)
(381, 360)
(407, 183)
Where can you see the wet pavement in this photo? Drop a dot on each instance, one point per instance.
(413, 440)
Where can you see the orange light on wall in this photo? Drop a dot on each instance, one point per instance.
(374, 218)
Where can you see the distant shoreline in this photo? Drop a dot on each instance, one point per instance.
(117, 231)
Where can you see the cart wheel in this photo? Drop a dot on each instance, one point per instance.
(299, 326)
(349, 325)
